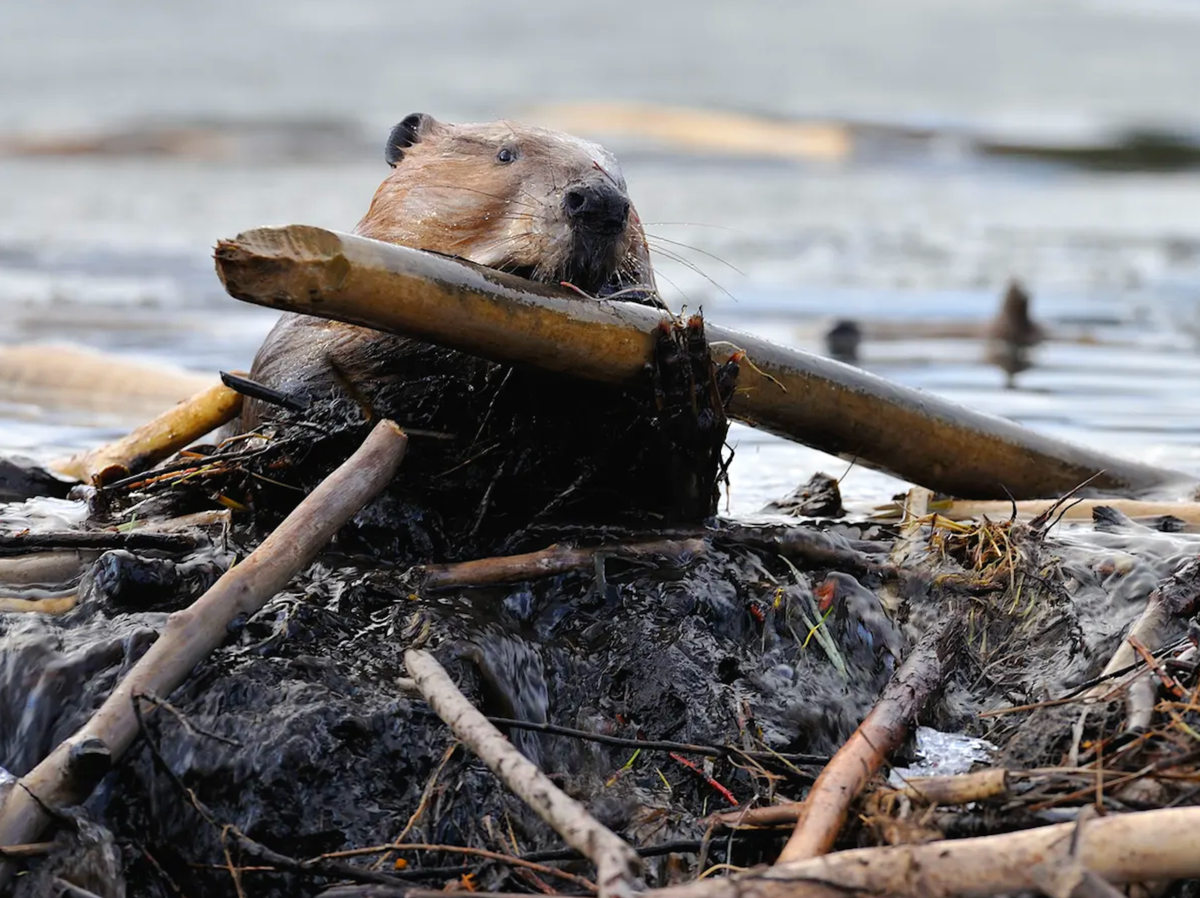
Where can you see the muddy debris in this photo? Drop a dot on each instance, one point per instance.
(691, 686)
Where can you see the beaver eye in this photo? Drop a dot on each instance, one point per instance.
(506, 156)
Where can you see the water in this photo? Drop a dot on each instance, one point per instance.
(112, 250)
(268, 112)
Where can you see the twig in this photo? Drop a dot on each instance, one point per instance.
(551, 561)
(807, 545)
(193, 633)
(426, 794)
(980, 785)
(155, 440)
(881, 732)
(20, 543)
(34, 849)
(691, 765)
(1176, 596)
(711, 751)
(767, 816)
(463, 849)
(617, 865)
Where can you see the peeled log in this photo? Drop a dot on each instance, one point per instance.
(156, 439)
(822, 403)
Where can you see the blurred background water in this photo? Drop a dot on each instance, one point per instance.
(984, 141)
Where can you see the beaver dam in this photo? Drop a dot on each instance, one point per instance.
(317, 658)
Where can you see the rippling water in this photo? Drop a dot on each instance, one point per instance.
(112, 250)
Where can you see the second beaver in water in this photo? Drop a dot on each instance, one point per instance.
(498, 451)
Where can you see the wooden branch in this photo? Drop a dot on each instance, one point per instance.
(978, 785)
(156, 439)
(961, 510)
(828, 405)
(550, 561)
(62, 377)
(56, 605)
(21, 544)
(766, 816)
(1121, 848)
(44, 568)
(1176, 596)
(883, 730)
(617, 864)
(193, 633)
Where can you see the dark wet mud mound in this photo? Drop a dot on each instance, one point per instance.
(721, 667)
(297, 732)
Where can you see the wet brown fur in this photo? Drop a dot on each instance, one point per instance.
(520, 448)
(448, 194)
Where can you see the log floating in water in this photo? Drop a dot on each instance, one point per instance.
(825, 404)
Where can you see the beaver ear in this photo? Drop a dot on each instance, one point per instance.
(405, 134)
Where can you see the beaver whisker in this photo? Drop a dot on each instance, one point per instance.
(689, 264)
(499, 242)
(695, 249)
(686, 298)
(691, 224)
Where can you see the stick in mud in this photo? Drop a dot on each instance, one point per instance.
(617, 864)
(824, 809)
(156, 439)
(820, 402)
(551, 561)
(193, 633)
(963, 788)
(1138, 847)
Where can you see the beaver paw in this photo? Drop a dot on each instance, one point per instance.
(690, 397)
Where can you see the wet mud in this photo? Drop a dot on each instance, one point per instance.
(298, 732)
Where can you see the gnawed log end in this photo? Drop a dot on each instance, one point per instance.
(282, 266)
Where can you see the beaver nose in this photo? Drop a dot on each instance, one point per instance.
(597, 206)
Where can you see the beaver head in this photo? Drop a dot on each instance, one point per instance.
(545, 205)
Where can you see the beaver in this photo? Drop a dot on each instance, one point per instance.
(498, 451)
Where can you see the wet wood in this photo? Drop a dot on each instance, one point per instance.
(193, 633)
(784, 813)
(824, 809)
(964, 510)
(44, 568)
(962, 789)
(825, 404)
(156, 439)
(66, 377)
(16, 544)
(1176, 596)
(1120, 848)
(551, 561)
(57, 605)
(617, 864)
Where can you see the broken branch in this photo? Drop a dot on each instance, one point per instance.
(156, 439)
(825, 404)
(617, 864)
(1121, 848)
(193, 633)
(824, 809)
